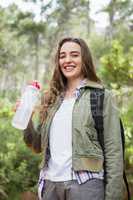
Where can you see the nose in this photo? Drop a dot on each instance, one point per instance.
(68, 58)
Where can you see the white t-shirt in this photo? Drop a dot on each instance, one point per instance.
(60, 141)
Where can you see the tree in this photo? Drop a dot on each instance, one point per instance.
(24, 25)
(119, 12)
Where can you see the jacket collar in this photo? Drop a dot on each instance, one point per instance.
(85, 83)
(91, 84)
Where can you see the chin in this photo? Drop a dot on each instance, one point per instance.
(69, 76)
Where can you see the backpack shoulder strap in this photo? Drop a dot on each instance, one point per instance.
(96, 101)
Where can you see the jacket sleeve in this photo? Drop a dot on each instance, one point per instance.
(32, 137)
(113, 150)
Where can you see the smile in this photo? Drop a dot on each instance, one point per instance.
(69, 68)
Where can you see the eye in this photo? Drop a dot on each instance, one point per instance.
(75, 55)
(61, 56)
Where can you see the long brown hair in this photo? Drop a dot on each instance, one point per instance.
(59, 81)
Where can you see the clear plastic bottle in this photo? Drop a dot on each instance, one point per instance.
(27, 104)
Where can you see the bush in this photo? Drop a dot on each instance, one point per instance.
(18, 165)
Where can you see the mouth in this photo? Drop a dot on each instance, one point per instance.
(69, 68)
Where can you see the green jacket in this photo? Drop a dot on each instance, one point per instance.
(86, 150)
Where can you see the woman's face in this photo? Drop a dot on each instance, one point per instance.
(70, 60)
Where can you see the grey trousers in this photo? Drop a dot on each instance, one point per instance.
(71, 190)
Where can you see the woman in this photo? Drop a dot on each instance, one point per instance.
(72, 168)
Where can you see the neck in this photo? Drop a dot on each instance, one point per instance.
(73, 84)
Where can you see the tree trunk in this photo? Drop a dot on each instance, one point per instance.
(36, 75)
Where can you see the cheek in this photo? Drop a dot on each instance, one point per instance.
(60, 63)
(60, 66)
(79, 64)
(79, 61)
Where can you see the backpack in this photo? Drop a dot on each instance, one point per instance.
(96, 101)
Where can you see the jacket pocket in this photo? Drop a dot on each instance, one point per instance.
(91, 133)
(93, 138)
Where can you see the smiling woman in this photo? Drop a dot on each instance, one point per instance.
(73, 164)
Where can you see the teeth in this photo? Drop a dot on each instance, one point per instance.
(69, 67)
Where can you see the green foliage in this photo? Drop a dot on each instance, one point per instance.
(18, 165)
(117, 67)
(98, 45)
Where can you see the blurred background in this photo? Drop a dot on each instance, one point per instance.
(29, 33)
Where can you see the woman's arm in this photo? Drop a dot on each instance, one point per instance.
(32, 137)
(113, 150)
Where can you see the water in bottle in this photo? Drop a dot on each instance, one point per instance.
(27, 104)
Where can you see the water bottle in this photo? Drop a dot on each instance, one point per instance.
(27, 103)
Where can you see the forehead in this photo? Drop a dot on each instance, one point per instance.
(70, 46)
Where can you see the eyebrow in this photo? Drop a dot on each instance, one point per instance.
(63, 52)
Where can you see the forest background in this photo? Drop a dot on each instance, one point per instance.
(27, 48)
